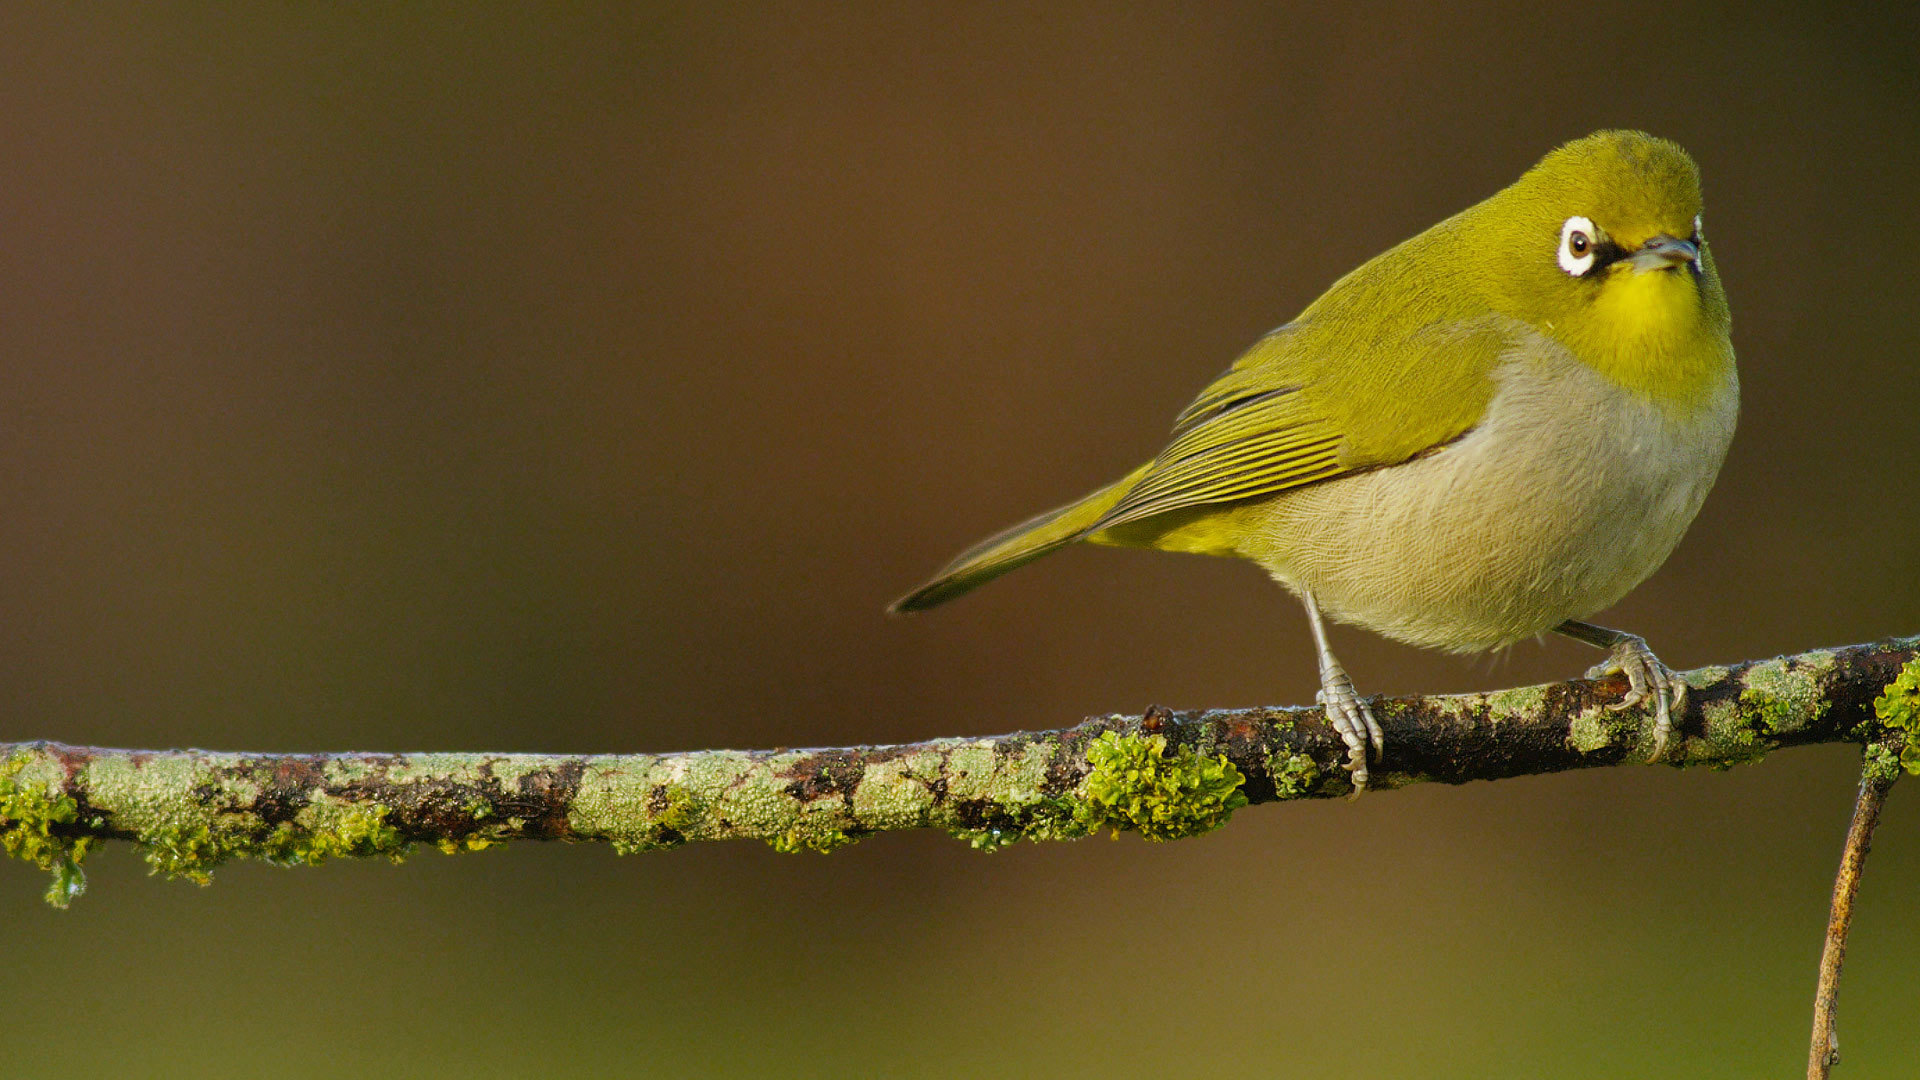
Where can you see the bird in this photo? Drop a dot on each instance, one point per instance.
(1491, 431)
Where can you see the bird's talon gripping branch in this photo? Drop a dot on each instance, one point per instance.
(1351, 717)
(1647, 678)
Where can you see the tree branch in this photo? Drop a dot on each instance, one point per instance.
(1877, 773)
(1165, 774)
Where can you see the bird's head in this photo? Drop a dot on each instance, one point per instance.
(1602, 246)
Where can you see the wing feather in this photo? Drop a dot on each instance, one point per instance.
(1297, 410)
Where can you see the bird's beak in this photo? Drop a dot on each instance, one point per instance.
(1663, 252)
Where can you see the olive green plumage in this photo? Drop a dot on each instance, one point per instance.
(1501, 424)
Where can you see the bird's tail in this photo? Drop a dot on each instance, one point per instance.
(1014, 548)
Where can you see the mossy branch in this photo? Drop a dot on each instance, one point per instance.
(1165, 774)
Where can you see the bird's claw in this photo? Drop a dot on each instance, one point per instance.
(1351, 717)
(1647, 678)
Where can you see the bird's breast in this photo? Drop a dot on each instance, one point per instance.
(1570, 492)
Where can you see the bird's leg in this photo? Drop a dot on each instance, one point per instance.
(1345, 711)
(1646, 675)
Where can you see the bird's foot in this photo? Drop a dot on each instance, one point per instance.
(1647, 678)
(1351, 717)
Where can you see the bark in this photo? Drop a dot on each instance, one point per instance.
(1876, 779)
(1166, 774)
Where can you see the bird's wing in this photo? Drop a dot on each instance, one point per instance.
(1303, 405)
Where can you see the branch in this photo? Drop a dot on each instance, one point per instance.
(1877, 774)
(1165, 774)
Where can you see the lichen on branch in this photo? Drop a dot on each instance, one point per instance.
(1164, 774)
(1898, 709)
(35, 827)
(1137, 783)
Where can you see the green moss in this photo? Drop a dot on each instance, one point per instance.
(802, 838)
(192, 851)
(1879, 763)
(325, 831)
(1898, 709)
(28, 816)
(1138, 785)
(1293, 774)
(988, 840)
(321, 831)
(1037, 819)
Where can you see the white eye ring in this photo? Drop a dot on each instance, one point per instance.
(1699, 230)
(1577, 233)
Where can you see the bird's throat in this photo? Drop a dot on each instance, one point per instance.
(1648, 331)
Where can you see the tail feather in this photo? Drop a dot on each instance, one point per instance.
(1013, 548)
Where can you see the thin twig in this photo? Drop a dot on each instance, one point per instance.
(1876, 779)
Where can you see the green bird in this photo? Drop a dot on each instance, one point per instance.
(1495, 429)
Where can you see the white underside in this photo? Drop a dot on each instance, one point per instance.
(1568, 494)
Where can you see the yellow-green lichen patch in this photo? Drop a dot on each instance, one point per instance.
(1880, 764)
(324, 829)
(1018, 778)
(187, 842)
(1137, 784)
(1898, 708)
(821, 824)
(343, 772)
(1526, 703)
(998, 796)
(805, 836)
(672, 810)
(28, 817)
(1293, 774)
(428, 768)
(973, 770)
(139, 789)
(331, 829)
(485, 834)
(1007, 794)
(897, 793)
(1598, 727)
(757, 803)
(666, 816)
(637, 805)
(755, 800)
(1039, 819)
(1728, 739)
(1780, 697)
(188, 849)
(1702, 678)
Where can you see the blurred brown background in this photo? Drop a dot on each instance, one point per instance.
(587, 380)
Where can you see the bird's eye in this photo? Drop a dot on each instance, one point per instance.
(1576, 245)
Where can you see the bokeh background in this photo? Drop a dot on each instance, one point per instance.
(587, 379)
